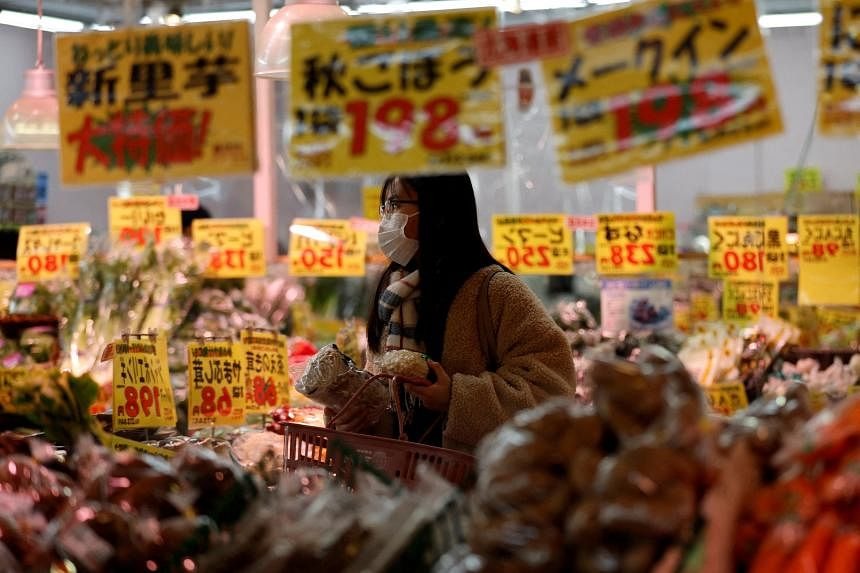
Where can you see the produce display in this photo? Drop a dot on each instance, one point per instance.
(835, 381)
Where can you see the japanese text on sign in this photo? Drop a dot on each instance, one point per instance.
(236, 247)
(405, 88)
(656, 81)
(727, 398)
(118, 444)
(267, 380)
(47, 252)
(326, 248)
(143, 220)
(748, 247)
(216, 385)
(534, 244)
(829, 259)
(839, 80)
(142, 394)
(148, 103)
(745, 300)
(636, 243)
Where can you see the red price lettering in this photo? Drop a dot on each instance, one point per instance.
(750, 261)
(265, 391)
(820, 249)
(141, 235)
(229, 258)
(328, 258)
(537, 257)
(439, 133)
(225, 403)
(634, 254)
(47, 263)
(207, 405)
(745, 309)
(145, 399)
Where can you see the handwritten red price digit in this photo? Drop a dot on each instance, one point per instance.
(265, 391)
(207, 406)
(225, 402)
(750, 261)
(144, 399)
(140, 235)
(132, 409)
(819, 249)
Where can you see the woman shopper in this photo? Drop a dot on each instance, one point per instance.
(493, 349)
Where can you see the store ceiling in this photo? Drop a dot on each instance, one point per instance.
(112, 11)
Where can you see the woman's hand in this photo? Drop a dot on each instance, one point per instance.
(436, 396)
(353, 420)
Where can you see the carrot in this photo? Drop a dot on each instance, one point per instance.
(812, 555)
(845, 554)
(776, 550)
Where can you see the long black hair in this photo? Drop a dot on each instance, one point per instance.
(450, 251)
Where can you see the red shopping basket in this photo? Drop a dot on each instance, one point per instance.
(337, 452)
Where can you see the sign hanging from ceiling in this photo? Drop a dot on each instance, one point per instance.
(405, 90)
(839, 61)
(156, 103)
(656, 81)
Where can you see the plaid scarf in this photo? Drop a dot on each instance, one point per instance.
(398, 308)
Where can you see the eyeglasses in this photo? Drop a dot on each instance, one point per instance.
(392, 205)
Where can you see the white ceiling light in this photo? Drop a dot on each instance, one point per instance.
(791, 20)
(220, 16)
(31, 22)
(396, 7)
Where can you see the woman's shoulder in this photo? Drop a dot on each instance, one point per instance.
(502, 282)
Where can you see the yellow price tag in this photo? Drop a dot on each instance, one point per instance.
(216, 386)
(236, 247)
(371, 196)
(267, 378)
(141, 220)
(748, 247)
(703, 307)
(118, 444)
(326, 248)
(837, 93)
(744, 301)
(48, 252)
(728, 398)
(829, 259)
(534, 244)
(142, 393)
(636, 243)
(805, 180)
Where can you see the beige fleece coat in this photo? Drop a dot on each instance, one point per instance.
(534, 357)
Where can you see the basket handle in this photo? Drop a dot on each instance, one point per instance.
(394, 383)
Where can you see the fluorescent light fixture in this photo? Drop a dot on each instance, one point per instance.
(31, 22)
(220, 16)
(101, 27)
(607, 2)
(527, 5)
(791, 20)
(396, 7)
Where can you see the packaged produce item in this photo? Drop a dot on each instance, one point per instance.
(406, 363)
(833, 383)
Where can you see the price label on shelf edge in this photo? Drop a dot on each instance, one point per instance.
(48, 252)
(748, 247)
(746, 300)
(326, 248)
(534, 244)
(829, 259)
(141, 220)
(267, 378)
(142, 393)
(636, 243)
(216, 385)
(237, 248)
(728, 398)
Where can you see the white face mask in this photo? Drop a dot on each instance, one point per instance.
(393, 240)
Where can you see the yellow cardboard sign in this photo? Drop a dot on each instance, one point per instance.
(141, 220)
(534, 244)
(48, 252)
(636, 243)
(402, 90)
(829, 259)
(658, 80)
(142, 394)
(839, 59)
(155, 103)
(703, 307)
(327, 248)
(748, 247)
(806, 180)
(746, 300)
(371, 197)
(216, 385)
(118, 444)
(267, 378)
(727, 398)
(236, 247)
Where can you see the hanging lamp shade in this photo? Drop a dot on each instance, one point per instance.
(273, 47)
(31, 122)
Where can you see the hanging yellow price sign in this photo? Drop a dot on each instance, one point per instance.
(748, 247)
(728, 398)
(371, 197)
(216, 387)
(534, 244)
(636, 243)
(805, 180)
(118, 444)
(839, 58)
(48, 252)
(744, 301)
(267, 379)
(703, 307)
(142, 394)
(236, 247)
(142, 220)
(326, 248)
(829, 259)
